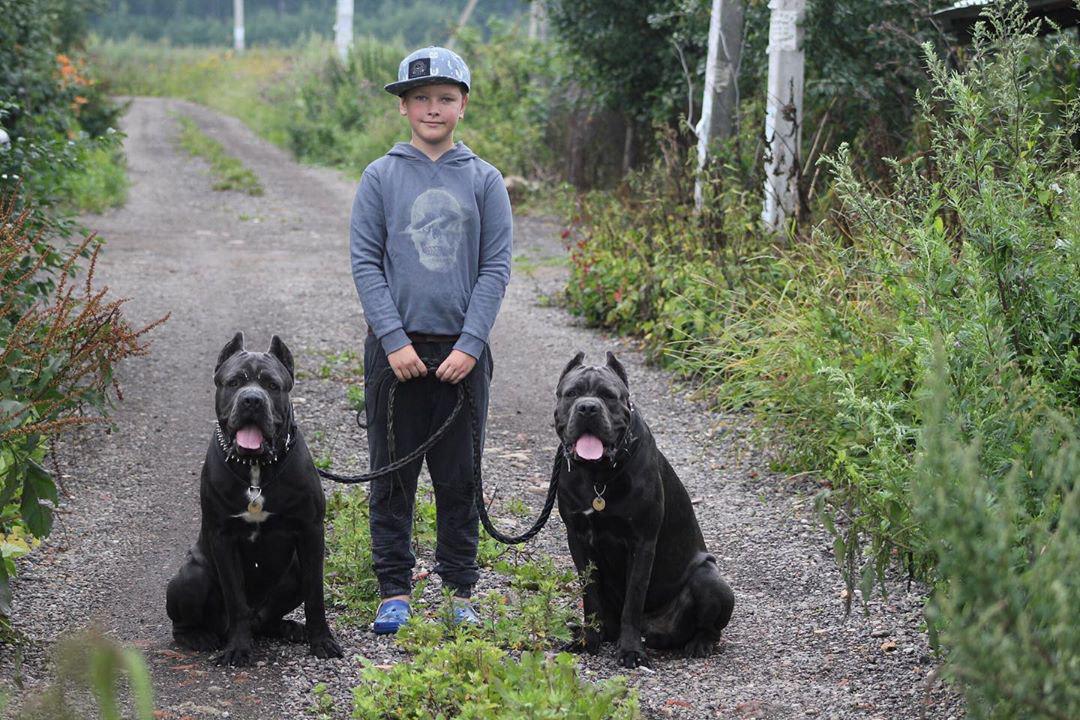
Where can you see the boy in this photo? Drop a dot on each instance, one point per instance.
(430, 242)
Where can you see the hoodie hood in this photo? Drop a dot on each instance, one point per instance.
(458, 154)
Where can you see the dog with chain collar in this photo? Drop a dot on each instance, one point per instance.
(259, 553)
(648, 578)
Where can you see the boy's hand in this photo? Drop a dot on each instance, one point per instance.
(455, 367)
(406, 364)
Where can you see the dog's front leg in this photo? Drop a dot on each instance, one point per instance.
(586, 637)
(631, 648)
(225, 552)
(310, 553)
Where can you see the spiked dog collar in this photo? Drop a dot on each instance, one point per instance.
(624, 448)
(231, 456)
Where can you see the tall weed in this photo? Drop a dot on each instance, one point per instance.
(1006, 549)
(60, 343)
(975, 238)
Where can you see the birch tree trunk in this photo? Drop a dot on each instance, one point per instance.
(343, 28)
(462, 21)
(784, 113)
(238, 25)
(538, 21)
(720, 103)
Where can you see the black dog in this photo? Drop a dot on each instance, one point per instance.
(630, 526)
(260, 548)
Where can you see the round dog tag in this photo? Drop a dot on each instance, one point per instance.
(599, 503)
(255, 500)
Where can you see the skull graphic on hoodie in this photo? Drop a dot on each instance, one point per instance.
(437, 228)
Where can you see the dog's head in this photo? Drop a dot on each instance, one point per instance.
(592, 409)
(252, 399)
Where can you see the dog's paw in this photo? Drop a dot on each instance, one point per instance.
(632, 658)
(235, 656)
(287, 630)
(292, 631)
(699, 647)
(199, 640)
(583, 640)
(326, 647)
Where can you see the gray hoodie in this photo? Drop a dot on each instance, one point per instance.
(430, 245)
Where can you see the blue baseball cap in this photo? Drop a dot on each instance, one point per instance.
(430, 66)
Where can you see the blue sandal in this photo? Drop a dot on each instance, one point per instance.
(465, 613)
(392, 615)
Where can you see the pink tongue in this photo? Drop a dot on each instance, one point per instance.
(249, 438)
(589, 447)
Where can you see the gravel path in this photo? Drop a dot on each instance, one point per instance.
(220, 262)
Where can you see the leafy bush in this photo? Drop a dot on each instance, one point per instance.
(59, 345)
(1006, 547)
(100, 181)
(975, 240)
(644, 262)
(470, 678)
(51, 108)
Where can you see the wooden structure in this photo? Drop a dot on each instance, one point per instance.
(959, 19)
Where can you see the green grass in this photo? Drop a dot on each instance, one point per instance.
(239, 85)
(229, 173)
(499, 669)
(100, 183)
(323, 111)
(527, 264)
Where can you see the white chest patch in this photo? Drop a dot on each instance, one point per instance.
(254, 513)
(253, 517)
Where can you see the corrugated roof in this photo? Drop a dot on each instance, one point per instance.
(966, 3)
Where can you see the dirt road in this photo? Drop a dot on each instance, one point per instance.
(224, 261)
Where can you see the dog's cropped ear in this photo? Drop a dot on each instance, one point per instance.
(281, 351)
(231, 348)
(614, 364)
(573, 363)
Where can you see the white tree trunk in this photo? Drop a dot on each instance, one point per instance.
(721, 97)
(462, 21)
(784, 113)
(238, 25)
(538, 23)
(343, 28)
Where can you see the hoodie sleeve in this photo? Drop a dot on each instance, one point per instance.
(496, 244)
(367, 242)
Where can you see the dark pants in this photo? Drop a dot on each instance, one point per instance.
(420, 407)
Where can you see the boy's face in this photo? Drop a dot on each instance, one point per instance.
(434, 111)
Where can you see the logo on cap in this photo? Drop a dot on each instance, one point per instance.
(420, 67)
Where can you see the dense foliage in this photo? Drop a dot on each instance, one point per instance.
(1006, 545)
(50, 108)
(60, 339)
(647, 60)
(971, 242)
(286, 22)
